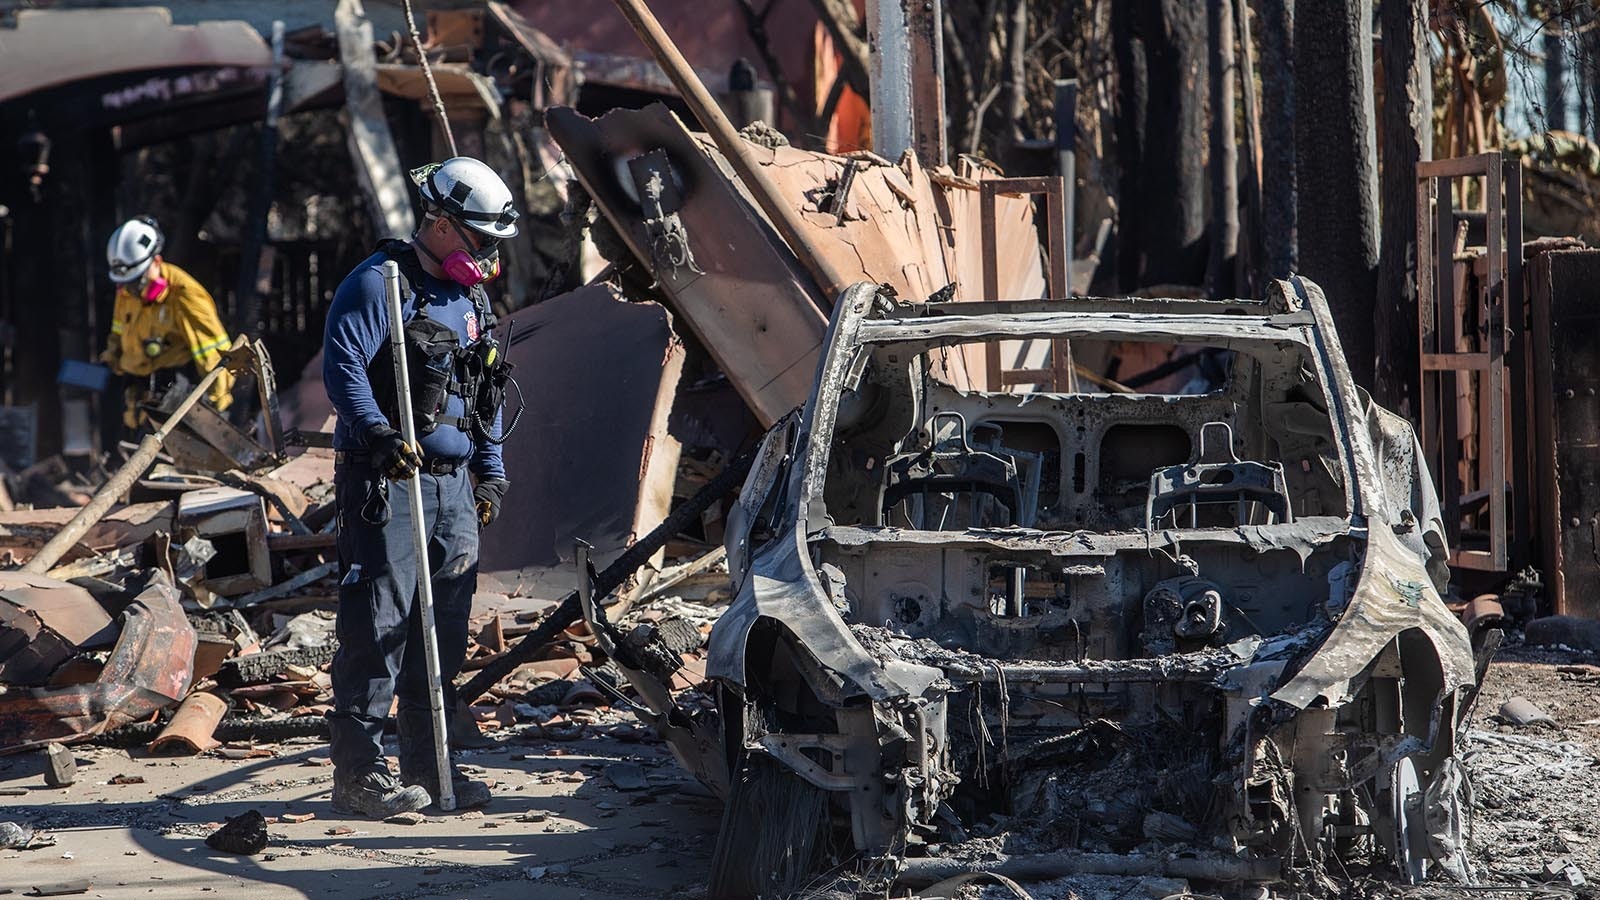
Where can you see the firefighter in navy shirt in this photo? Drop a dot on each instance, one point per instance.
(467, 212)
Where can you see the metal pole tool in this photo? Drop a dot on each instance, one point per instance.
(419, 540)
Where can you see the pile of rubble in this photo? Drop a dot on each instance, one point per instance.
(182, 597)
(200, 615)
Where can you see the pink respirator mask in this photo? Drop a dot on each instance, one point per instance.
(154, 289)
(467, 270)
(470, 269)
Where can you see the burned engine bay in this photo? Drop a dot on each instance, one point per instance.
(1194, 634)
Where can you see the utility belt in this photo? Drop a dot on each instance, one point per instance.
(439, 467)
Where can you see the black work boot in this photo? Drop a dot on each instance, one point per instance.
(419, 768)
(469, 792)
(376, 794)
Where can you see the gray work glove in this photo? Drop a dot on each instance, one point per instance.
(391, 455)
(488, 494)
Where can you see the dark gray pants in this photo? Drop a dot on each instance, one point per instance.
(380, 621)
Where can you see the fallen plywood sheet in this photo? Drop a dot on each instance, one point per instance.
(593, 459)
(747, 299)
(309, 469)
(913, 229)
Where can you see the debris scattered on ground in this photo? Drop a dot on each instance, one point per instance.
(1564, 869)
(626, 777)
(14, 836)
(62, 889)
(1522, 712)
(60, 769)
(244, 834)
(1532, 789)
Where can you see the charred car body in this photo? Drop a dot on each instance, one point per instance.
(1208, 623)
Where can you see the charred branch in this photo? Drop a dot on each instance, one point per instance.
(1016, 68)
(850, 38)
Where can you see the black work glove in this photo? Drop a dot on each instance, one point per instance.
(488, 494)
(391, 455)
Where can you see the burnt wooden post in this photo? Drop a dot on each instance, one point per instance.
(1067, 164)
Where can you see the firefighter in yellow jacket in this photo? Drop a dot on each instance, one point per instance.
(163, 321)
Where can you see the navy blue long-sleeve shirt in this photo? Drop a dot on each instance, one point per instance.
(358, 327)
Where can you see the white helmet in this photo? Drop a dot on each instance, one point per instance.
(470, 192)
(132, 248)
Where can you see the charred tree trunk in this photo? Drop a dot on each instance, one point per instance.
(1251, 272)
(1555, 81)
(1580, 73)
(1015, 78)
(1161, 85)
(1133, 97)
(1279, 239)
(1224, 151)
(1407, 133)
(1336, 168)
(1589, 86)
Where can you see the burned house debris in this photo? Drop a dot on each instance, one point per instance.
(1055, 565)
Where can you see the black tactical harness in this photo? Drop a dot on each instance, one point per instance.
(439, 367)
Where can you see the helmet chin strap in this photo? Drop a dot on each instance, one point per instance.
(417, 242)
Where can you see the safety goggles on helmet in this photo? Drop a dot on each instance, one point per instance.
(125, 271)
(453, 203)
(487, 244)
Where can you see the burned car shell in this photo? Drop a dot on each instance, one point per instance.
(1335, 716)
